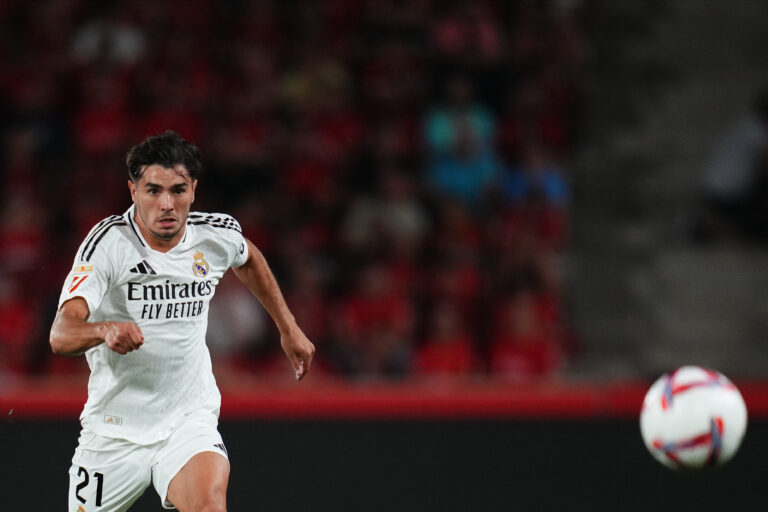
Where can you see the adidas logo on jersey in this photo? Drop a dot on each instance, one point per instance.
(221, 447)
(144, 268)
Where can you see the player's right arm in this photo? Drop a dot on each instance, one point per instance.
(84, 289)
(72, 334)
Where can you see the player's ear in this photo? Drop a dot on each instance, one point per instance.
(132, 188)
(194, 186)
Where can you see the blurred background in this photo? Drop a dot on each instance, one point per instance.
(486, 215)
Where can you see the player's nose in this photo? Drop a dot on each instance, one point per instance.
(166, 202)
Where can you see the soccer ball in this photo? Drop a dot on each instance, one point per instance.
(693, 418)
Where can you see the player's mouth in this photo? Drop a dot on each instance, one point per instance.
(167, 222)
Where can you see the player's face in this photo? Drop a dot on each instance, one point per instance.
(163, 197)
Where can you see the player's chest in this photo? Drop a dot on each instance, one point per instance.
(199, 262)
(166, 286)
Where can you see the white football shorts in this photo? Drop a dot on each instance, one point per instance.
(108, 475)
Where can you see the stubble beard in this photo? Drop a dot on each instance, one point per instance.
(166, 236)
(159, 234)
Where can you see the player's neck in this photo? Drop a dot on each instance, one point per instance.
(156, 243)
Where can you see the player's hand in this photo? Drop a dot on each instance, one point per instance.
(299, 351)
(123, 337)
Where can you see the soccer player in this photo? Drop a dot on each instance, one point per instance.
(136, 304)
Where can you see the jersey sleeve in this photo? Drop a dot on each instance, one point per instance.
(237, 248)
(91, 272)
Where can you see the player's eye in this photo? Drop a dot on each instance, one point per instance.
(152, 191)
(179, 191)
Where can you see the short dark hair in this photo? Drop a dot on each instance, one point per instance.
(168, 149)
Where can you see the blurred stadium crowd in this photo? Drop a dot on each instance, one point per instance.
(400, 164)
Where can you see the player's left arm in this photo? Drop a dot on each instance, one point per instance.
(258, 277)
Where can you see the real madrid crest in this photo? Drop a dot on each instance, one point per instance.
(200, 266)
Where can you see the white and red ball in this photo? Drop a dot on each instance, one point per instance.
(693, 418)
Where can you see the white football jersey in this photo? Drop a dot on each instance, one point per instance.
(142, 395)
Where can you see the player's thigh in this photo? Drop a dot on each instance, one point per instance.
(192, 467)
(201, 484)
(107, 475)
